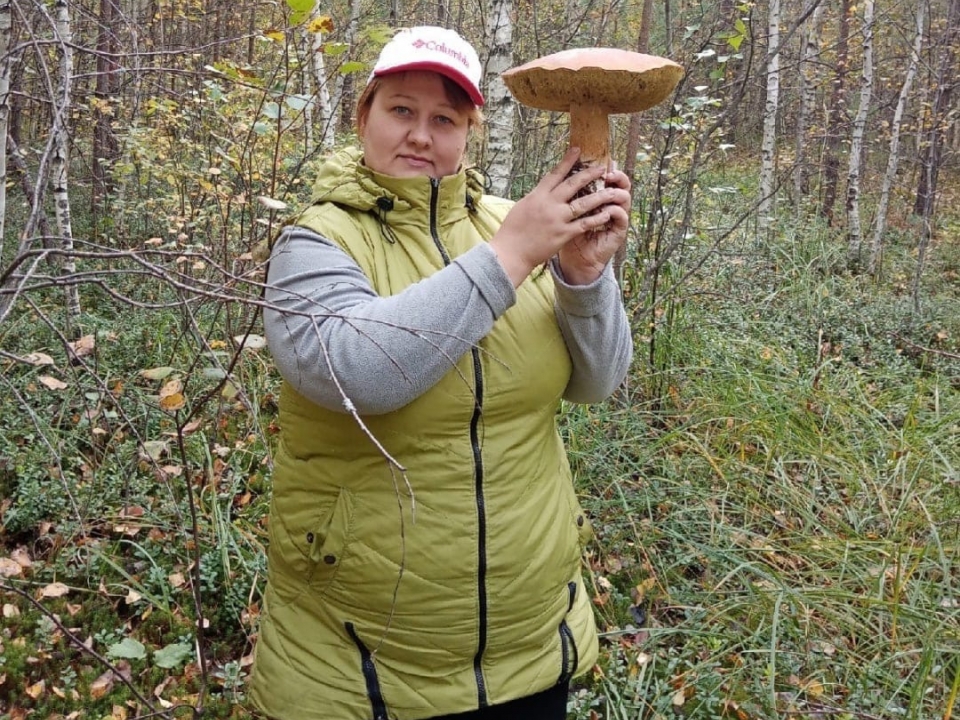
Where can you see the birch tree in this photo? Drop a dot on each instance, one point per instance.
(320, 112)
(854, 231)
(768, 144)
(6, 29)
(893, 153)
(498, 153)
(61, 153)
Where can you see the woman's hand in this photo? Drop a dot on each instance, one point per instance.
(550, 219)
(583, 259)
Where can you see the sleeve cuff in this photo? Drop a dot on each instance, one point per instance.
(485, 271)
(583, 300)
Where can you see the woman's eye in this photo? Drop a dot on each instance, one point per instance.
(444, 120)
(401, 110)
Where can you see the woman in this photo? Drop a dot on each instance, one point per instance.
(425, 537)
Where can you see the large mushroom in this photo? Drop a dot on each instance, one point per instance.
(590, 84)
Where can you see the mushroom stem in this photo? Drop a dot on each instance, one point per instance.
(589, 130)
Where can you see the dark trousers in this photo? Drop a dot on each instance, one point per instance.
(547, 705)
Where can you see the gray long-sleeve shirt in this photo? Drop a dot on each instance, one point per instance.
(334, 338)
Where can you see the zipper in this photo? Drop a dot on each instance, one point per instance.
(369, 669)
(570, 657)
(478, 474)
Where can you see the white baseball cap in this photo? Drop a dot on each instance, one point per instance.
(433, 48)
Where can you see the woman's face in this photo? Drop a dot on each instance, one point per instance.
(412, 129)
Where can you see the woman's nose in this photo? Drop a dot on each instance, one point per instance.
(420, 134)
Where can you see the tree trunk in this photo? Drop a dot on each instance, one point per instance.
(768, 143)
(105, 146)
(498, 154)
(808, 94)
(342, 100)
(893, 154)
(837, 116)
(6, 29)
(633, 130)
(319, 113)
(854, 231)
(933, 139)
(62, 108)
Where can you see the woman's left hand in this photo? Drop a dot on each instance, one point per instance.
(583, 259)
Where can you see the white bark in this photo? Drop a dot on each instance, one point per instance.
(808, 95)
(6, 25)
(768, 145)
(319, 114)
(61, 154)
(498, 153)
(893, 154)
(854, 231)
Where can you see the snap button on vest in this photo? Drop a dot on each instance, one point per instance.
(579, 520)
(330, 559)
(310, 538)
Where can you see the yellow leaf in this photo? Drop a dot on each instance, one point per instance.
(275, 35)
(321, 24)
(172, 403)
(36, 690)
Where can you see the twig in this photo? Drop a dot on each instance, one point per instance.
(932, 351)
(82, 647)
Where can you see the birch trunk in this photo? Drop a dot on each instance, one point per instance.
(498, 154)
(893, 154)
(6, 28)
(768, 144)
(61, 154)
(854, 230)
(808, 96)
(318, 113)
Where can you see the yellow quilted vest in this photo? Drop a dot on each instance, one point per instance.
(385, 604)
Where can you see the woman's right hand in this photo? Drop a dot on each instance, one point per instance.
(550, 216)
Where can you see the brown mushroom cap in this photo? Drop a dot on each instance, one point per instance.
(618, 81)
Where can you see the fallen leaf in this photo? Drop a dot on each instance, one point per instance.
(102, 685)
(679, 698)
(51, 382)
(37, 689)
(39, 358)
(157, 373)
(173, 402)
(176, 579)
(10, 568)
(83, 347)
(132, 597)
(54, 590)
(171, 387)
(10, 611)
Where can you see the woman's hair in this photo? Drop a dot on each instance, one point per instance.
(456, 96)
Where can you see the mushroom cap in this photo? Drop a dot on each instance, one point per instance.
(619, 81)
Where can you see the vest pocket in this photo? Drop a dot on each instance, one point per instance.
(569, 657)
(327, 542)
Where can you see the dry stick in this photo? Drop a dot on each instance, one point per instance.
(932, 351)
(81, 646)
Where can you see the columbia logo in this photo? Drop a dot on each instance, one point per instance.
(432, 46)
